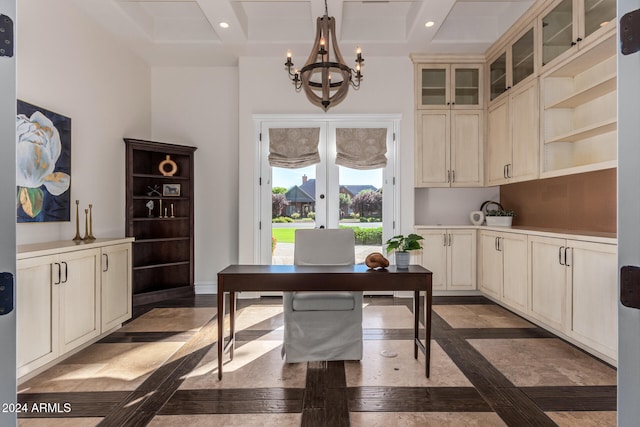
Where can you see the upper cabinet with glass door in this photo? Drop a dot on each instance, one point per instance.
(512, 65)
(569, 25)
(455, 86)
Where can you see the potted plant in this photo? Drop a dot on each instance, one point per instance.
(500, 217)
(402, 245)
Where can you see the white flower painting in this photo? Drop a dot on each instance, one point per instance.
(43, 168)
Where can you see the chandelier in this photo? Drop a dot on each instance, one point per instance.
(325, 77)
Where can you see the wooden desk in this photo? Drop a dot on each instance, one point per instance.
(288, 278)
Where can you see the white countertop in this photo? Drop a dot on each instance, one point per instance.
(50, 248)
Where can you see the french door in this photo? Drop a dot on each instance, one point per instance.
(325, 195)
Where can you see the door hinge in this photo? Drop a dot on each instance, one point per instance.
(394, 180)
(394, 136)
(260, 136)
(6, 293)
(6, 36)
(630, 32)
(260, 181)
(259, 225)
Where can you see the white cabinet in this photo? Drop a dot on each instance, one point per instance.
(449, 148)
(579, 112)
(449, 124)
(440, 85)
(502, 269)
(570, 25)
(116, 285)
(512, 136)
(450, 254)
(594, 292)
(574, 290)
(550, 294)
(64, 301)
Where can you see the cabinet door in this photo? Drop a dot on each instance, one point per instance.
(37, 314)
(466, 89)
(79, 303)
(514, 279)
(461, 260)
(434, 257)
(525, 128)
(596, 18)
(490, 264)
(594, 295)
(498, 143)
(549, 296)
(432, 149)
(433, 86)
(467, 132)
(522, 57)
(558, 30)
(498, 76)
(115, 285)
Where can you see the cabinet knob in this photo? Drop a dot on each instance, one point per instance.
(579, 39)
(573, 43)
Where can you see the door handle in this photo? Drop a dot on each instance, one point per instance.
(448, 176)
(66, 271)
(566, 258)
(450, 239)
(106, 262)
(444, 239)
(453, 176)
(59, 273)
(504, 171)
(560, 252)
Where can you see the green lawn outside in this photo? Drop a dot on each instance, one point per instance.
(284, 235)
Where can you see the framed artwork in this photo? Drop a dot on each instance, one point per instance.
(169, 190)
(43, 164)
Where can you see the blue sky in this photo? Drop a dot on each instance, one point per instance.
(287, 178)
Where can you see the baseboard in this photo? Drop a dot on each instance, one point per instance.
(206, 288)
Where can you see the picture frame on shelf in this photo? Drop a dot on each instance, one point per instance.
(170, 190)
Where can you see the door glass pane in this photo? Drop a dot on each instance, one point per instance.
(598, 13)
(498, 74)
(293, 202)
(467, 86)
(557, 31)
(522, 54)
(434, 86)
(360, 207)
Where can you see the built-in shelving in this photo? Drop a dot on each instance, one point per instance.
(579, 112)
(163, 251)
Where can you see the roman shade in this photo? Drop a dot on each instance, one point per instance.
(293, 148)
(361, 148)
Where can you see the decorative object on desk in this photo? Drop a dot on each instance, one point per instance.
(77, 238)
(168, 167)
(325, 72)
(160, 210)
(172, 215)
(476, 217)
(150, 205)
(91, 236)
(43, 165)
(499, 216)
(154, 191)
(86, 225)
(170, 190)
(376, 260)
(402, 245)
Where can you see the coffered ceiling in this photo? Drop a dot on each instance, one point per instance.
(188, 32)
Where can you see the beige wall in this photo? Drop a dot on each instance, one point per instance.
(68, 64)
(199, 106)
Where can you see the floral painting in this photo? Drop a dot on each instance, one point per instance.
(43, 168)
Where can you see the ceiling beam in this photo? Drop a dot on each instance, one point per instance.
(231, 12)
(421, 12)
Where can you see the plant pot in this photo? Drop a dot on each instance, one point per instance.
(499, 221)
(402, 260)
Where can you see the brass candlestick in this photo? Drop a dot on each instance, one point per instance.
(91, 236)
(86, 225)
(77, 238)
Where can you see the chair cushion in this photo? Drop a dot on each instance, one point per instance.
(323, 301)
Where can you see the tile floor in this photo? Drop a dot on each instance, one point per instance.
(489, 367)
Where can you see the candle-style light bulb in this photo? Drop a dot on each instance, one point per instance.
(358, 50)
(288, 54)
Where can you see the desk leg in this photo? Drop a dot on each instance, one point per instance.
(232, 323)
(428, 297)
(220, 326)
(416, 322)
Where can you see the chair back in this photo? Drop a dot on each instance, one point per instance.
(324, 247)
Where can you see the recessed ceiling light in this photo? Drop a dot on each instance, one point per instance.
(602, 24)
(224, 25)
(429, 24)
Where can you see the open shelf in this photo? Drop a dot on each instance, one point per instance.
(585, 132)
(587, 94)
(163, 250)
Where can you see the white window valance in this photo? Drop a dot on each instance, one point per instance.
(293, 148)
(361, 148)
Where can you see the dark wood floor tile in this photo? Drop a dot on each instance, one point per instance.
(574, 398)
(132, 337)
(416, 399)
(460, 300)
(70, 404)
(503, 333)
(325, 397)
